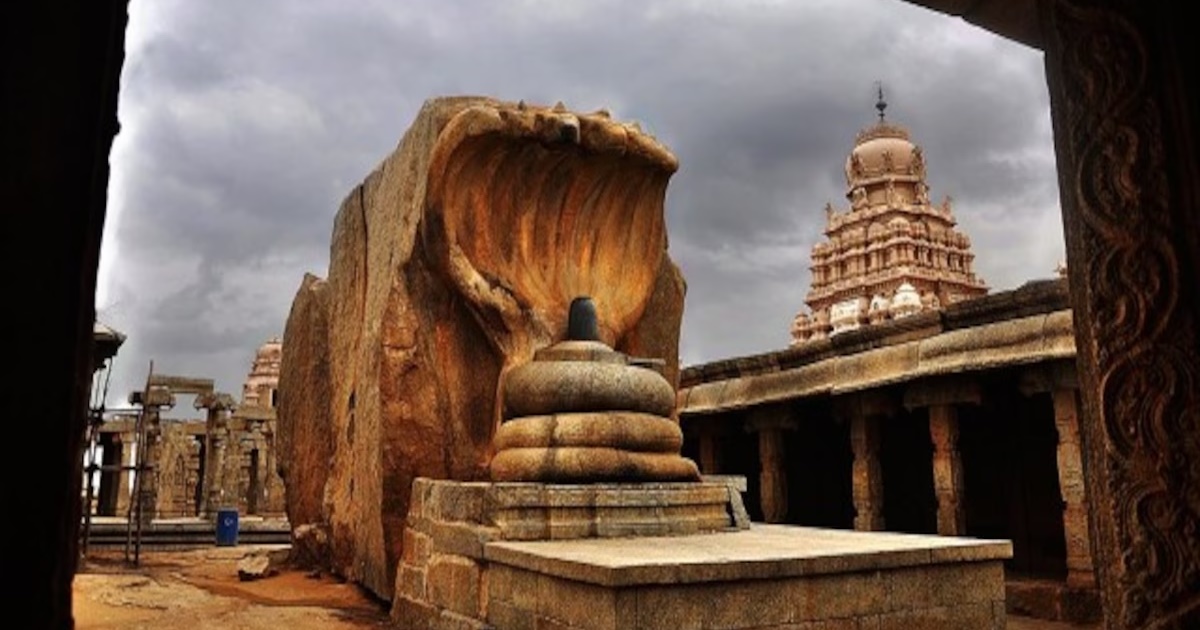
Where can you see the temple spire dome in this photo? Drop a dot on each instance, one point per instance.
(894, 253)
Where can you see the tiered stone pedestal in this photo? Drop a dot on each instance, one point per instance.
(656, 556)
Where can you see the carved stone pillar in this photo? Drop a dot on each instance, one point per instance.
(947, 471)
(708, 452)
(149, 450)
(868, 473)
(216, 406)
(770, 423)
(235, 464)
(1080, 570)
(127, 440)
(772, 480)
(1124, 108)
(214, 469)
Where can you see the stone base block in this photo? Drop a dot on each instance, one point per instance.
(769, 577)
(537, 511)
(455, 574)
(444, 572)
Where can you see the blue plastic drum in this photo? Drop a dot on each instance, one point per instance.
(227, 527)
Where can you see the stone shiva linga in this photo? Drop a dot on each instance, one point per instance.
(581, 412)
(588, 449)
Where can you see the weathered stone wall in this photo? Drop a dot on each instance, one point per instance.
(453, 261)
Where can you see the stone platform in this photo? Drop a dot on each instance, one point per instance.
(109, 531)
(511, 556)
(771, 576)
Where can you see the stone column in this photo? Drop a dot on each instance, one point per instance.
(1126, 118)
(216, 406)
(214, 468)
(127, 440)
(770, 423)
(868, 473)
(947, 470)
(234, 458)
(942, 397)
(148, 455)
(708, 452)
(1080, 571)
(256, 478)
(772, 479)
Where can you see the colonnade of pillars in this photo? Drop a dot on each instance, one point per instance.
(238, 466)
(865, 415)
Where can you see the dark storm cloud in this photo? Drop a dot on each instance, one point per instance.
(245, 124)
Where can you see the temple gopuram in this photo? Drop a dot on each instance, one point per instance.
(892, 253)
(912, 399)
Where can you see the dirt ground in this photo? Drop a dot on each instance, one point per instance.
(200, 590)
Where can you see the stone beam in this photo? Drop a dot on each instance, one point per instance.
(943, 390)
(1044, 378)
(156, 397)
(255, 414)
(1042, 337)
(1013, 19)
(182, 384)
(214, 401)
(119, 425)
(871, 403)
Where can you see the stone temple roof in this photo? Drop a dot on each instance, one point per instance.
(106, 342)
(1026, 325)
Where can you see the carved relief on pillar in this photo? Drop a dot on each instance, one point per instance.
(1134, 299)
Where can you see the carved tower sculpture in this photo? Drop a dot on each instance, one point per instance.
(893, 252)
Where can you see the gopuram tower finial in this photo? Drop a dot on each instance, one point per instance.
(880, 104)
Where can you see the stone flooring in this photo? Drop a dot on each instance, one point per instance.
(199, 589)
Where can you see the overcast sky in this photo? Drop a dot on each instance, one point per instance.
(244, 124)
